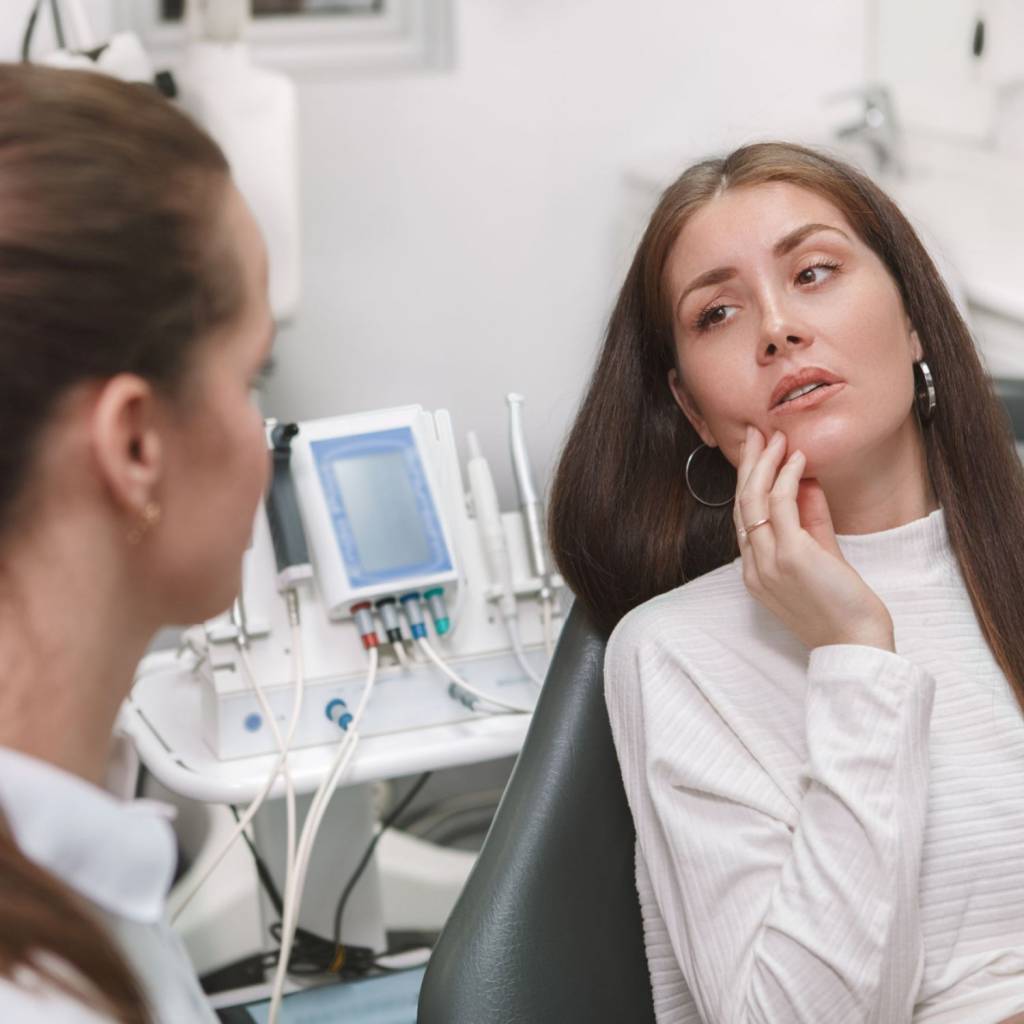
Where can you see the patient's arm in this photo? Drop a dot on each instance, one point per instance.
(780, 913)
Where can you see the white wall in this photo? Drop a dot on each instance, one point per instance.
(460, 228)
(461, 233)
(913, 61)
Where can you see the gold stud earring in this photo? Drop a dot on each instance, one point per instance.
(148, 518)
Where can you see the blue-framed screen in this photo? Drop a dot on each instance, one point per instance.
(381, 509)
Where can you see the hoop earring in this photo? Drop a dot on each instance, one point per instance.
(924, 391)
(689, 486)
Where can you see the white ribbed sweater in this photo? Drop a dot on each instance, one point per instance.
(833, 835)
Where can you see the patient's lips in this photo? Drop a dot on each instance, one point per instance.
(805, 389)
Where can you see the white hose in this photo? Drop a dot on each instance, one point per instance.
(400, 654)
(314, 817)
(517, 650)
(549, 633)
(280, 765)
(284, 745)
(459, 681)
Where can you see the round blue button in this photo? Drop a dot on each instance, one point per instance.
(253, 721)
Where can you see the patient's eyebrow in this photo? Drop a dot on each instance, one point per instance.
(782, 247)
(787, 243)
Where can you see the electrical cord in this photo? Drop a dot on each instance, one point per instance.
(266, 879)
(30, 30)
(312, 954)
(33, 20)
(393, 815)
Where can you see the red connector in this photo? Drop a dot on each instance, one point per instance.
(362, 613)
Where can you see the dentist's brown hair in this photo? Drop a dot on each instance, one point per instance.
(110, 262)
(623, 526)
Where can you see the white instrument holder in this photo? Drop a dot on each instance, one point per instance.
(190, 722)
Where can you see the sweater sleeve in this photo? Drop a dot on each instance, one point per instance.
(782, 914)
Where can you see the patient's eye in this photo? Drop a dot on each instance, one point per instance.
(817, 272)
(712, 316)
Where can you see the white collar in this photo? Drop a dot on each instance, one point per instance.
(117, 854)
(905, 554)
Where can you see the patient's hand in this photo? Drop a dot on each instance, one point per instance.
(793, 564)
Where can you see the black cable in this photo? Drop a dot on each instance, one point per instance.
(262, 871)
(312, 954)
(30, 30)
(385, 824)
(58, 23)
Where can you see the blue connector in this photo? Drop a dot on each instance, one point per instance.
(438, 609)
(456, 692)
(414, 613)
(340, 708)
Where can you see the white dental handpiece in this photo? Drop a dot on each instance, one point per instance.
(488, 517)
(527, 494)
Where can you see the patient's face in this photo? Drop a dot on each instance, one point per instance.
(770, 279)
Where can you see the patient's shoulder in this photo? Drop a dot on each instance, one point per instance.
(715, 604)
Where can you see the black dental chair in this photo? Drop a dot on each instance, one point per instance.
(1010, 392)
(548, 928)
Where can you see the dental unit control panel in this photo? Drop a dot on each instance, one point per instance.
(373, 513)
(373, 542)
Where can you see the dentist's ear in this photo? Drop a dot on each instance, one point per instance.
(686, 403)
(126, 441)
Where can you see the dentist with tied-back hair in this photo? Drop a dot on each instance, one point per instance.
(134, 325)
(792, 495)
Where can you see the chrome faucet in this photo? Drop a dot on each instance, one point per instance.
(878, 128)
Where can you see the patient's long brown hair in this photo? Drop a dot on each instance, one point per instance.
(623, 526)
(111, 261)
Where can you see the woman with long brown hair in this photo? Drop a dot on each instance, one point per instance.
(792, 493)
(134, 323)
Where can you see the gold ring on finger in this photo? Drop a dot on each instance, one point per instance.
(753, 526)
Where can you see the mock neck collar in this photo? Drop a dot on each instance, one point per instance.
(119, 855)
(905, 551)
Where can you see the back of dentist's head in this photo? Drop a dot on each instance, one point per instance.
(108, 265)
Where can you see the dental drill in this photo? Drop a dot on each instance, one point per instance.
(532, 513)
(492, 535)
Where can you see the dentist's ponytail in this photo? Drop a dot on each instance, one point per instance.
(46, 931)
